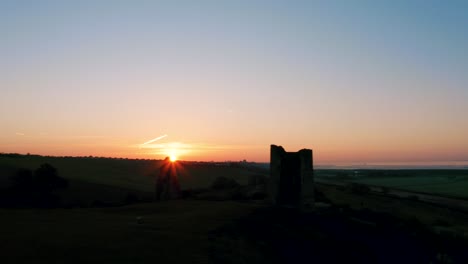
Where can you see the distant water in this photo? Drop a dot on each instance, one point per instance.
(398, 165)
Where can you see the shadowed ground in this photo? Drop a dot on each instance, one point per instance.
(218, 232)
(175, 231)
(333, 235)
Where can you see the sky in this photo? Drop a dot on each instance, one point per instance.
(356, 81)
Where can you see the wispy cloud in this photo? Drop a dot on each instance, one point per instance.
(86, 136)
(152, 140)
(161, 148)
(19, 134)
(193, 150)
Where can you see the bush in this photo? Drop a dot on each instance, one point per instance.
(441, 222)
(320, 196)
(385, 190)
(131, 198)
(221, 183)
(359, 188)
(342, 175)
(186, 194)
(46, 179)
(35, 189)
(22, 181)
(255, 180)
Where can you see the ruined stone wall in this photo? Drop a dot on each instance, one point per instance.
(288, 172)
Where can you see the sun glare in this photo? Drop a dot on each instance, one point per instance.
(173, 157)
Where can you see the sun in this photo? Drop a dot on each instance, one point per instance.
(173, 157)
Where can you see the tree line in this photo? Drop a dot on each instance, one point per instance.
(34, 188)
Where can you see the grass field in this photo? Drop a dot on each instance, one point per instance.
(168, 232)
(123, 173)
(202, 231)
(185, 231)
(111, 180)
(442, 182)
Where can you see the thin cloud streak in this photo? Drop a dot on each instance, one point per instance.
(201, 151)
(187, 150)
(153, 140)
(199, 146)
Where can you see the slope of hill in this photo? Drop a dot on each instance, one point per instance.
(112, 180)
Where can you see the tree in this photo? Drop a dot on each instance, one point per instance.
(46, 179)
(35, 189)
(22, 179)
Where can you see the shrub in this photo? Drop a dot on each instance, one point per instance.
(46, 179)
(320, 196)
(359, 188)
(385, 190)
(35, 189)
(221, 183)
(342, 175)
(257, 180)
(131, 198)
(22, 180)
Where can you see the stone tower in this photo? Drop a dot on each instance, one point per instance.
(289, 173)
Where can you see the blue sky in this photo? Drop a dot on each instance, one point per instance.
(355, 80)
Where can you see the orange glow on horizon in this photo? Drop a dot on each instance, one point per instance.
(348, 150)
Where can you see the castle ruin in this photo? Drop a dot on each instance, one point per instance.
(289, 173)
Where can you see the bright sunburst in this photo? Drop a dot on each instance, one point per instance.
(173, 157)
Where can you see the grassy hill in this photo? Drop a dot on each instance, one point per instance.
(111, 180)
(349, 227)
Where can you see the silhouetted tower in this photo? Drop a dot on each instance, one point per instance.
(167, 183)
(288, 172)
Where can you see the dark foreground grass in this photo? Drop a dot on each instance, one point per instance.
(166, 232)
(427, 214)
(332, 235)
(219, 232)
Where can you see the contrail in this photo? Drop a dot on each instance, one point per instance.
(153, 140)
